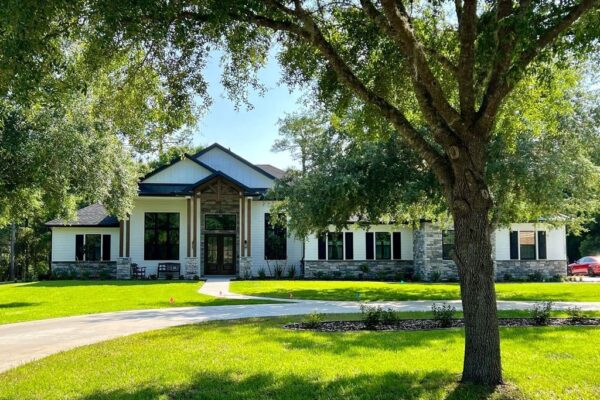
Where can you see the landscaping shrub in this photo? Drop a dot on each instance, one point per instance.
(292, 271)
(337, 274)
(196, 278)
(435, 276)
(262, 274)
(364, 270)
(381, 276)
(60, 275)
(536, 276)
(540, 313)
(575, 314)
(278, 271)
(507, 277)
(443, 313)
(371, 316)
(408, 274)
(555, 278)
(389, 317)
(153, 277)
(313, 320)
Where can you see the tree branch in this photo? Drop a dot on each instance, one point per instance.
(552, 34)
(311, 32)
(402, 29)
(442, 60)
(500, 86)
(467, 33)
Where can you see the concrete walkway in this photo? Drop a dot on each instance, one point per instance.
(26, 341)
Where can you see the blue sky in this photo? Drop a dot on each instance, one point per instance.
(249, 133)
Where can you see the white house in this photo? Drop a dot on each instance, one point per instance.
(205, 214)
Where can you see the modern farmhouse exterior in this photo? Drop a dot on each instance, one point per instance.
(205, 214)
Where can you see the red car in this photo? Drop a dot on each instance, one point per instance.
(585, 266)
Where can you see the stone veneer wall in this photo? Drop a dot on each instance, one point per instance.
(521, 269)
(428, 258)
(245, 267)
(123, 268)
(85, 269)
(190, 267)
(351, 268)
(427, 253)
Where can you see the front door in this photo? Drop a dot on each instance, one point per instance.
(219, 254)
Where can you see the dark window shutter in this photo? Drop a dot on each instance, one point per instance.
(514, 245)
(105, 247)
(349, 239)
(397, 246)
(79, 248)
(322, 247)
(370, 252)
(541, 245)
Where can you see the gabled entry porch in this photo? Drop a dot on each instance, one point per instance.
(224, 214)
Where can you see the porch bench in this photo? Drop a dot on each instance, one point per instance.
(169, 268)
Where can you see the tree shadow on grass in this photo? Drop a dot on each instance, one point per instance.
(229, 385)
(74, 283)
(18, 304)
(392, 292)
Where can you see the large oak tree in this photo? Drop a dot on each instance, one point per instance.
(437, 72)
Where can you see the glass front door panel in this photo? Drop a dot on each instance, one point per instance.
(220, 254)
(212, 249)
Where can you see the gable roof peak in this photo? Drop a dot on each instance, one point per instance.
(234, 155)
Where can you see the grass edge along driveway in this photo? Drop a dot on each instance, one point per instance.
(390, 291)
(257, 359)
(21, 302)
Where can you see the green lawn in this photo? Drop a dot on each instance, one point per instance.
(48, 299)
(256, 359)
(370, 291)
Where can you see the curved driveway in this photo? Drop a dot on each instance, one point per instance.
(26, 341)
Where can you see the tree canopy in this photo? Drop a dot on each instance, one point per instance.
(544, 165)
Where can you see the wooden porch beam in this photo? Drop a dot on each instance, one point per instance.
(121, 237)
(189, 226)
(249, 237)
(242, 226)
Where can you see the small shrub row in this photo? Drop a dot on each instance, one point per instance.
(313, 320)
(373, 316)
(279, 272)
(536, 276)
(443, 313)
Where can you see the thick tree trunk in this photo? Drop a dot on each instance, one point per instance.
(473, 253)
(470, 205)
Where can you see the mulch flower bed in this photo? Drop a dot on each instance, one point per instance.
(428, 324)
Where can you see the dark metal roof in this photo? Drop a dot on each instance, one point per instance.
(276, 172)
(163, 189)
(185, 189)
(94, 215)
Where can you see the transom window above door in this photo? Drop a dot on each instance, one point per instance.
(220, 222)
